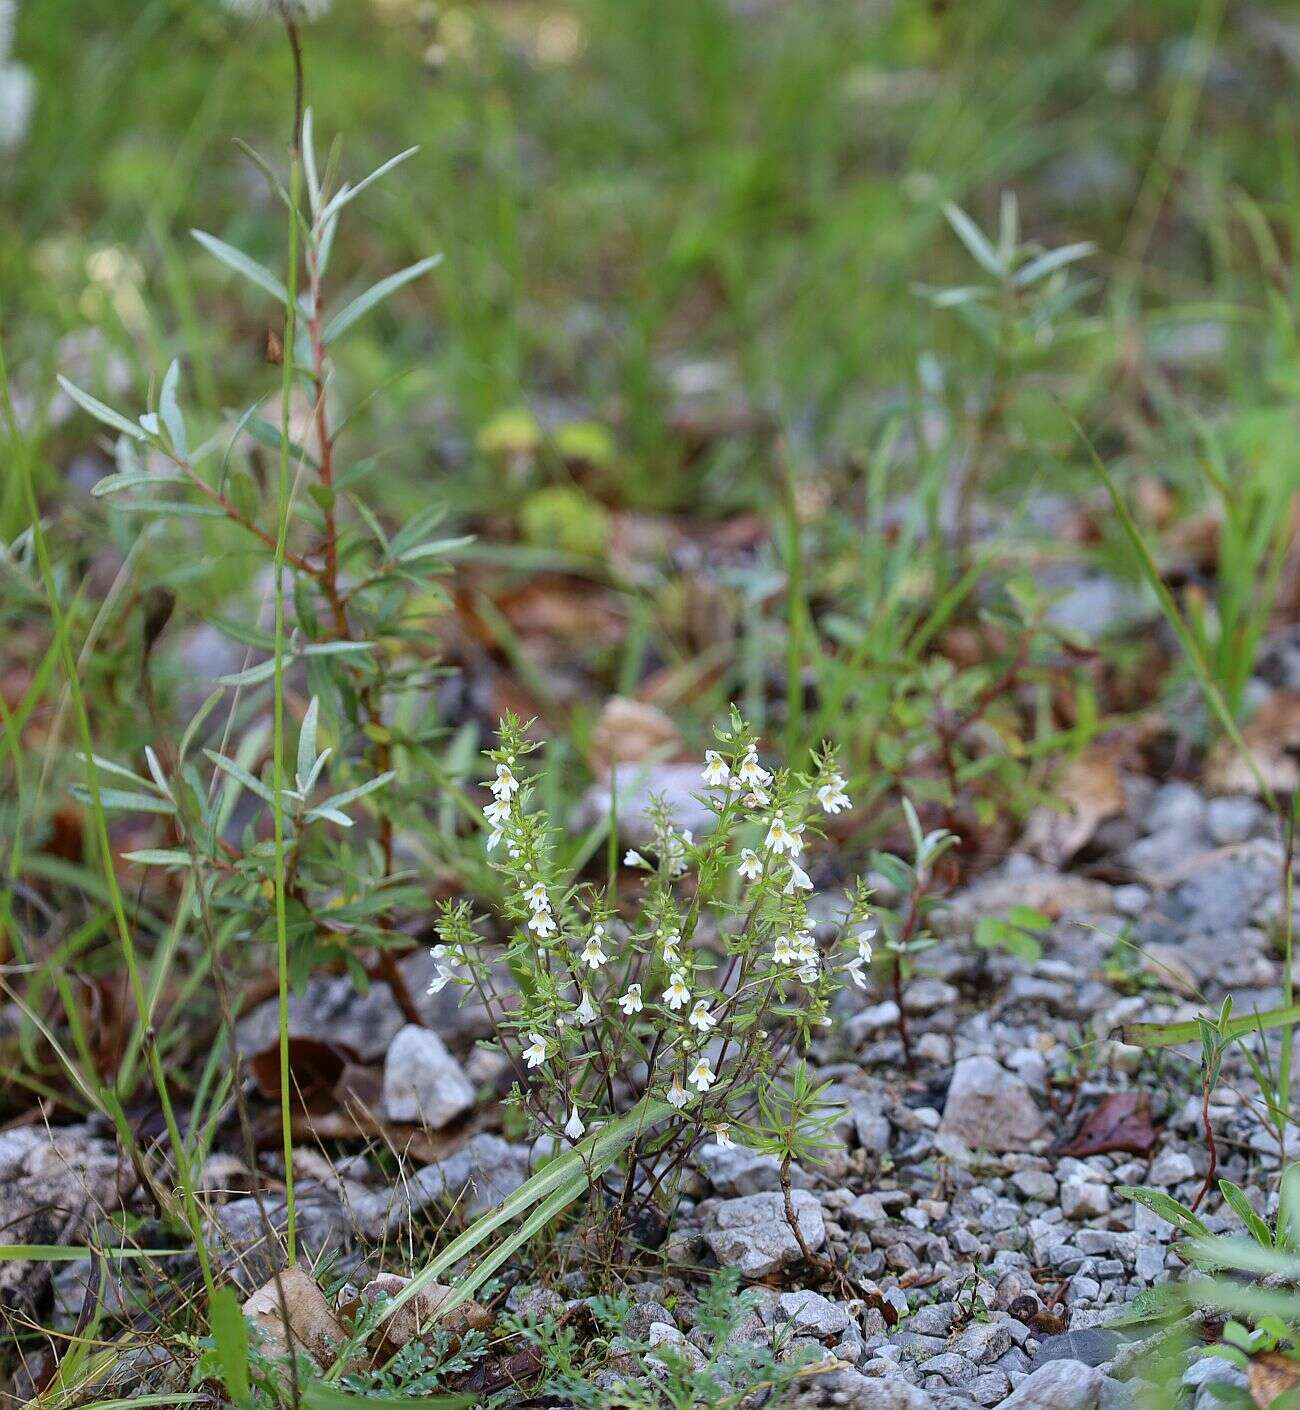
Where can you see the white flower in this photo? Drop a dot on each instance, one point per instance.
(702, 1075)
(751, 773)
(630, 1002)
(701, 1018)
(677, 995)
(505, 785)
(586, 1012)
(781, 839)
(865, 952)
(854, 970)
(542, 923)
(494, 838)
(678, 1096)
(798, 879)
(440, 980)
(751, 868)
(722, 1134)
(784, 952)
(758, 798)
(809, 972)
(716, 773)
(537, 898)
(574, 1127)
(635, 859)
(832, 797)
(805, 946)
(670, 942)
(592, 955)
(444, 975)
(535, 1053)
(497, 812)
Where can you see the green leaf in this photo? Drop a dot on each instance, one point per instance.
(252, 676)
(436, 548)
(100, 412)
(1167, 1207)
(241, 775)
(973, 238)
(337, 648)
(363, 303)
(120, 798)
(350, 193)
(341, 800)
(242, 264)
(115, 484)
(1236, 1199)
(169, 408)
(230, 1334)
(158, 857)
(307, 739)
(1053, 260)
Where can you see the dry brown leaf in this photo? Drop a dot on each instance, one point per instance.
(418, 1317)
(1273, 737)
(1270, 1374)
(312, 1322)
(1092, 790)
(630, 732)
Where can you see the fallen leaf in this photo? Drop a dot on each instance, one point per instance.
(1091, 789)
(1272, 734)
(630, 732)
(516, 1371)
(311, 1321)
(1119, 1122)
(1271, 1374)
(315, 1067)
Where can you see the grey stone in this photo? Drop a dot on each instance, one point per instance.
(242, 1245)
(811, 1314)
(1229, 820)
(734, 1171)
(954, 1369)
(1090, 1346)
(52, 1185)
(1171, 1168)
(751, 1233)
(852, 1390)
(983, 1342)
(1084, 1200)
(634, 786)
(422, 1081)
(990, 1387)
(479, 1175)
(988, 1109)
(1059, 1385)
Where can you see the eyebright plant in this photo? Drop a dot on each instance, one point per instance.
(694, 991)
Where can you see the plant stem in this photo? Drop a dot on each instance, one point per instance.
(277, 783)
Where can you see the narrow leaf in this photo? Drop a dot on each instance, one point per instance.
(169, 408)
(242, 264)
(363, 303)
(100, 412)
(973, 238)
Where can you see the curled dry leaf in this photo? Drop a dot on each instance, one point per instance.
(630, 732)
(1091, 789)
(1270, 1375)
(1272, 735)
(311, 1322)
(315, 1068)
(1119, 1122)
